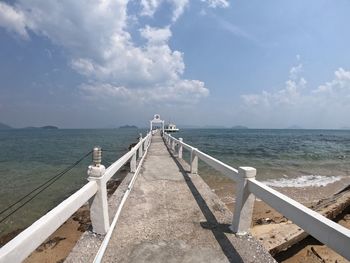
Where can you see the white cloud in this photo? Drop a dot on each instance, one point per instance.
(13, 19)
(290, 94)
(295, 71)
(185, 91)
(150, 7)
(97, 36)
(180, 6)
(217, 3)
(156, 35)
(339, 85)
(327, 105)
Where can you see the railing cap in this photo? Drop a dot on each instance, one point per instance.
(247, 172)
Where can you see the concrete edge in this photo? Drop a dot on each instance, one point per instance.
(89, 243)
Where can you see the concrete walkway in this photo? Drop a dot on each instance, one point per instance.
(173, 216)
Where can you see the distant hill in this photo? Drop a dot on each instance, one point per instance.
(4, 126)
(239, 127)
(128, 127)
(47, 127)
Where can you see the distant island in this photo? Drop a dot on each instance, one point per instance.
(128, 127)
(239, 127)
(4, 126)
(47, 127)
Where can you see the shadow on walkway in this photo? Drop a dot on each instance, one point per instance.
(212, 224)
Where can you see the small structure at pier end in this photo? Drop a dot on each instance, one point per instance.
(156, 123)
(171, 127)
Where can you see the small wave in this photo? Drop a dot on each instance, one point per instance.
(303, 181)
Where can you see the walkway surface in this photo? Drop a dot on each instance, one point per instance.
(173, 216)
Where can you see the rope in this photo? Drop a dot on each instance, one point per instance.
(47, 183)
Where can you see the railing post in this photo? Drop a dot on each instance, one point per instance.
(194, 161)
(133, 163)
(98, 204)
(243, 212)
(180, 149)
(173, 145)
(140, 149)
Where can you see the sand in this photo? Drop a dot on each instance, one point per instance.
(57, 247)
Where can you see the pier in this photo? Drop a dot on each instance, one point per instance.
(164, 212)
(173, 216)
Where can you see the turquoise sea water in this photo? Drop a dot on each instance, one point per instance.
(30, 157)
(288, 157)
(276, 153)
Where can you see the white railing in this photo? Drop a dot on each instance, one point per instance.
(326, 231)
(27, 241)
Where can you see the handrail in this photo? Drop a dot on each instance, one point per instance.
(28, 240)
(114, 167)
(328, 232)
(185, 145)
(211, 161)
(218, 165)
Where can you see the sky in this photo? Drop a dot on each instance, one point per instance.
(106, 63)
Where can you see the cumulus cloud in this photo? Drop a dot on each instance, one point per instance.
(13, 19)
(97, 36)
(156, 35)
(339, 85)
(290, 94)
(327, 104)
(150, 7)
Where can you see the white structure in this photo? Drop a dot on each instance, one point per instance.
(171, 127)
(156, 121)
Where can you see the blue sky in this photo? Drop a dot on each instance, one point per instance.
(263, 64)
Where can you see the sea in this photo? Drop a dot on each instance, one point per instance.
(283, 158)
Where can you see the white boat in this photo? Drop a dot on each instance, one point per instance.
(171, 127)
